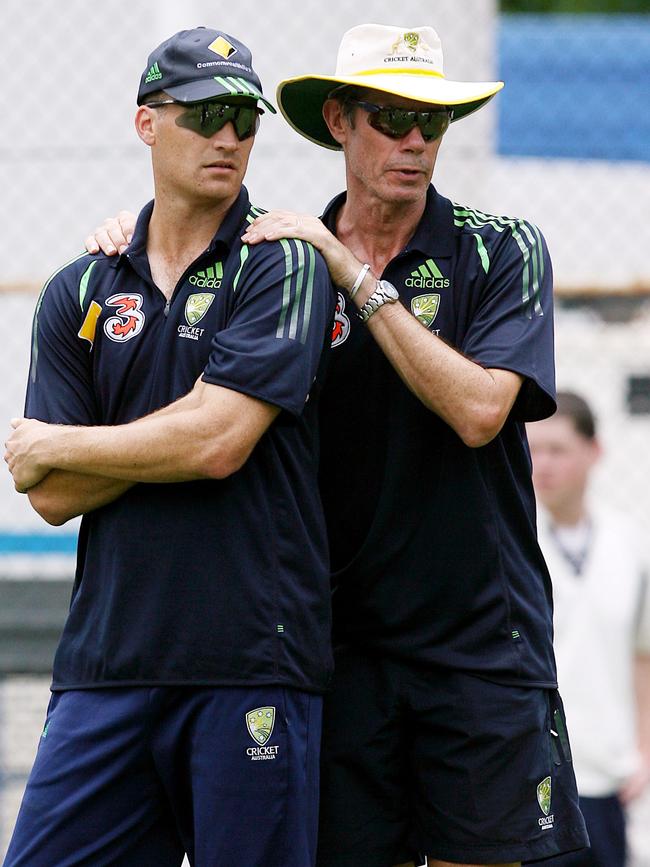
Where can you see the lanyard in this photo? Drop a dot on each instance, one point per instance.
(575, 558)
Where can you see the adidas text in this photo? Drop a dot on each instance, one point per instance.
(205, 282)
(428, 282)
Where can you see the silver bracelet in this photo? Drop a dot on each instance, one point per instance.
(357, 283)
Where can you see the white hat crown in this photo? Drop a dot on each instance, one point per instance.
(378, 48)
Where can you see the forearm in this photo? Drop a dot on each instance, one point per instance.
(209, 433)
(472, 400)
(160, 448)
(63, 495)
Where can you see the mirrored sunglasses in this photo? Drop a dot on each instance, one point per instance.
(206, 118)
(398, 122)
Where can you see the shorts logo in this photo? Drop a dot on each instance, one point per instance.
(129, 318)
(544, 801)
(341, 326)
(425, 308)
(223, 47)
(260, 723)
(197, 306)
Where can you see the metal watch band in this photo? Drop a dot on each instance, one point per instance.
(385, 293)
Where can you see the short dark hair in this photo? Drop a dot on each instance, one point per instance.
(346, 96)
(574, 407)
(155, 97)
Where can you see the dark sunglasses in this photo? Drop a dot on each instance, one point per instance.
(206, 118)
(397, 122)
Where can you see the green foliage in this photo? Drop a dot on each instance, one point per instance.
(573, 7)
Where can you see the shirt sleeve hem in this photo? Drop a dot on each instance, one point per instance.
(292, 408)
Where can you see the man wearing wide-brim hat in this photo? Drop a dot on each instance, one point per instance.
(444, 735)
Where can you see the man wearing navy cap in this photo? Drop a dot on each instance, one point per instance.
(180, 381)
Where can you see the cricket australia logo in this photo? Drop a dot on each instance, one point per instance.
(260, 723)
(128, 320)
(197, 306)
(544, 801)
(410, 47)
(341, 326)
(425, 308)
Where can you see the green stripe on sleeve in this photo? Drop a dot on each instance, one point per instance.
(83, 283)
(300, 279)
(529, 242)
(243, 255)
(286, 289)
(309, 293)
(482, 252)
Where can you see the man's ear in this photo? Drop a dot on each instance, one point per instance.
(336, 120)
(145, 124)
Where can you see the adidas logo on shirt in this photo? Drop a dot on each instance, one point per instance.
(427, 276)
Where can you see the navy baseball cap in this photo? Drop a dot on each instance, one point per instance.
(195, 65)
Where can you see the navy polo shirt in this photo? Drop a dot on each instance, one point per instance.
(433, 544)
(212, 581)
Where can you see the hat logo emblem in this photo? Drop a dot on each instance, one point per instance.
(222, 47)
(409, 40)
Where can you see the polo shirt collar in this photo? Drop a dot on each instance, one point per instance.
(434, 234)
(226, 236)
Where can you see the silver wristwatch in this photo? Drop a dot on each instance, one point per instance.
(385, 293)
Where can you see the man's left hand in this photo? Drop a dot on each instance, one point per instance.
(25, 454)
(342, 264)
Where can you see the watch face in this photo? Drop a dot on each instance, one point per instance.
(389, 289)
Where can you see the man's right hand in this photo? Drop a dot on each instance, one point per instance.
(113, 236)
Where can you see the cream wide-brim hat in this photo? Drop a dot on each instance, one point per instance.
(399, 60)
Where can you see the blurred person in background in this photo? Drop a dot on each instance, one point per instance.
(444, 733)
(602, 627)
(181, 383)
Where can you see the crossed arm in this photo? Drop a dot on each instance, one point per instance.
(68, 470)
(473, 400)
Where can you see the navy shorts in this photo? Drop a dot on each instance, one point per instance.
(442, 763)
(139, 776)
